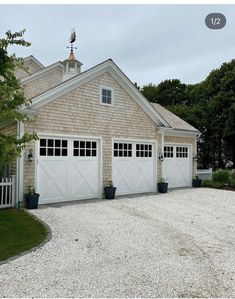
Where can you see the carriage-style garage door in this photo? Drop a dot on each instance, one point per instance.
(67, 169)
(134, 167)
(177, 165)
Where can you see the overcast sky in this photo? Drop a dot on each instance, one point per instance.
(150, 43)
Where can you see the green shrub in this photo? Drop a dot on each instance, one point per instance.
(232, 182)
(233, 175)
(211, 184)
(221, 176)
(206, 183)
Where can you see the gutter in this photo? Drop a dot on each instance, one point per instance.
(180, 131)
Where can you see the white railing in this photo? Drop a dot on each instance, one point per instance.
(7, 192)
(204, 174)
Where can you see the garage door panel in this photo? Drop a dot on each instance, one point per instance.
(84, 178)
(73, 175)
(134, 171)
(52, 181)
(144, 175)
(176, 168)
(122, 170)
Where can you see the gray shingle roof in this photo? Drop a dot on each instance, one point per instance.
(173, 120)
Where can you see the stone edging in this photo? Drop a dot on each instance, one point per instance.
(48, 238)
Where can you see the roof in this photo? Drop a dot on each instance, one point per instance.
(41, 71)
(160, 115)
(173, 120)
(38, 63)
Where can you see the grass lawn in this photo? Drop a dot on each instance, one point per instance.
(19, 232)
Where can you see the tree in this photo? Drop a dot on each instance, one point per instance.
(167, 93)
(208, 106)
(12, 98)
(229, 134)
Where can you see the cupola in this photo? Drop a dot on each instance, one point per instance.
(72, 66)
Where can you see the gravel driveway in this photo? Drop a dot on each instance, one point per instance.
(179, 244)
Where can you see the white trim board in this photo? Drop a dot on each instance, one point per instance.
(175, 132)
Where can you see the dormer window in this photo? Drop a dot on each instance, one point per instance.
(106, 95)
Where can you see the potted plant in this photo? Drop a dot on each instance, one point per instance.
(197, 182)
(110, 190)
(31, 198)
(162, 186)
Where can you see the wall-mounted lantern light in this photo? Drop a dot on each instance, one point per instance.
(195, 157)
(30, 155)
(161, 158)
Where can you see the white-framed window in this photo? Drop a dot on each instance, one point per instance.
(143, 150)
(122, 149)
(72, 67)
(106, 95)
(82, 148)
(181, 152)
(168, 151)
(53, 147)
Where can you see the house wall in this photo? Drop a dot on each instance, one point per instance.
(80, 113)
(11, 130)
(42, 83)
(32, 68)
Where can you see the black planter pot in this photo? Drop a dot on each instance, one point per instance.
(32, 201)
(110, 192)
(197, 183)
(162, 187)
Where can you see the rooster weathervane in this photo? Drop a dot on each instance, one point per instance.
(72, 39)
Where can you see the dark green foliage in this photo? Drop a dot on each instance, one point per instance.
(11, 98)
(232, 183)
(222, 176)
(19, 232)
(168, 92)
(220, 179)
(211, 184)
(209, 106)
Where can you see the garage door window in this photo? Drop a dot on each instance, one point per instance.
(181, 152)
(122, 149)
(84, 148)
(168, 151)
(53, 147)
(143, 150)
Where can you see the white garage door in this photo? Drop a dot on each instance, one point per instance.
(67, 169)
(176, 168)
(134, 167)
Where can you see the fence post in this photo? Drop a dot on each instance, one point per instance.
(13, 191)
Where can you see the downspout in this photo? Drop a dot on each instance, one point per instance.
(17, 202)
(19, 170)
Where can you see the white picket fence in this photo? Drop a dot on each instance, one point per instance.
(7, 192)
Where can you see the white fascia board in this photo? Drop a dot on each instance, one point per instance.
(31, 57)
(109, 66)
(177, 132)
(41, 72)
